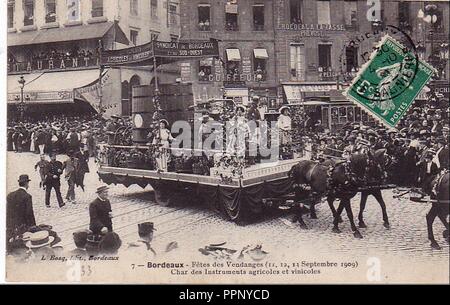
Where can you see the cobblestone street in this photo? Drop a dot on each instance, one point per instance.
(192, 226)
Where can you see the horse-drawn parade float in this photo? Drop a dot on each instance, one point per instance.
(226, 174)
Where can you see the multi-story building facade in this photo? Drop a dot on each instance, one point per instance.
(300, 50)
(245, 30)
(54, 44)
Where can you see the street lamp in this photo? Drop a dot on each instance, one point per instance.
(22, 102)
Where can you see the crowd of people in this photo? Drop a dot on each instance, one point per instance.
(418, 147)
(62, 134)
(54, 54)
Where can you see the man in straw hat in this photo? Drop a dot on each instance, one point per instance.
(100, 212)
(19, 209)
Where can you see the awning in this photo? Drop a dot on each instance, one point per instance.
(310, 103)
(49, 88)
(231, 8)
(261, 53)
(71, 33)
(233, 55)
(236, 92)
(295, 92)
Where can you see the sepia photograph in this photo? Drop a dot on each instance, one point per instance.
(227, 142)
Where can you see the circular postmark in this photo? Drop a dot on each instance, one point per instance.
(390, 67)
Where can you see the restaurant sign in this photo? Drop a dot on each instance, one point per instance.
(52, 64)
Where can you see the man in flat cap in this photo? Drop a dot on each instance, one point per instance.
(19, 209)
(100, 212)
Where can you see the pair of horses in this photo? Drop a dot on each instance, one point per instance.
(365, 173)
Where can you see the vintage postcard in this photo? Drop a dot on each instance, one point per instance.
(227, 141)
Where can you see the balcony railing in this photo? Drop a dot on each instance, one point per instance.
(258, 27)
(204, 27)
(232, 27)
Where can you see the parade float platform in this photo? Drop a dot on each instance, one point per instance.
(236, 197)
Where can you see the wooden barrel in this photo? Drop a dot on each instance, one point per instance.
(142, 112)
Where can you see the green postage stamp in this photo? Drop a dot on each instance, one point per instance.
(389, 82)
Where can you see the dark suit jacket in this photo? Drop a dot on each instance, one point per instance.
(19, 213)
(423, 171)
(99, 214)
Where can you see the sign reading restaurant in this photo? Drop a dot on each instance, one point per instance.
(53, 64)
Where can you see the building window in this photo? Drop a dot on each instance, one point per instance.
(97, 8)
(154, 8)
(350, 13)
(11, 5)
(154, 35)
(174, 38)
(205, 69)
(231, 15)
(323, 12)
(134, 7)
(232, 65)
(432, 8)
(260, 58)
(173, 14)
(351, 59)
(297, 62)
(73, 10)
(50, 11)
(134, 37)
(258, 17)
(28, 12)
(204, 17)
(296, 11)
(324, 57)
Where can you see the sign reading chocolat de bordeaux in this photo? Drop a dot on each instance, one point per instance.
(146, 52)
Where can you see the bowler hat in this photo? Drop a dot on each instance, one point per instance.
(24, 178)
(144, 229)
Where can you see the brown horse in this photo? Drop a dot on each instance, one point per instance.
(334, 180)
(439, 207)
